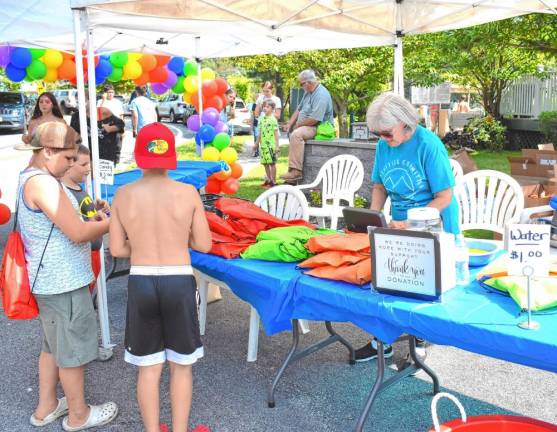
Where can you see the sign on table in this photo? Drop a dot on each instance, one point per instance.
(106, 172)
(528, 245)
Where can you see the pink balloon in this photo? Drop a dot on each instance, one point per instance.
(159, 88)
(171, 80)
(221, 127)
(4, 55)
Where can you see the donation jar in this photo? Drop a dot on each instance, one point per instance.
(424, 219)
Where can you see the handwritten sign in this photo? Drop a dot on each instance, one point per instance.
(106, 172)
(405, 263)
(528, 245)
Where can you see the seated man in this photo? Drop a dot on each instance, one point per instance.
(315, 107)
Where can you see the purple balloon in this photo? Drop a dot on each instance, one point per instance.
(171, 80)
(159, 88)
(210, 116)
(221, 127)
(193, 122)
(5, 51)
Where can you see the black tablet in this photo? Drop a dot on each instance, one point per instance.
(358, 219)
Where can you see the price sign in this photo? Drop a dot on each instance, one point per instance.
(528, 245)
(106, 172)
(405, 263)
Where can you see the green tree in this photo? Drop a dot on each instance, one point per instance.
(352, 76)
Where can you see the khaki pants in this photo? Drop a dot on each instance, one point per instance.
(298, 140)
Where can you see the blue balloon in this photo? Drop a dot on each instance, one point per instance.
(21, 58)
(198, 142)
(176, 65)
(99, 79)
(103, 69)
(206, 132)
(15, 74)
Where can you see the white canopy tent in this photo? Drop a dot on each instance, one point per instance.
(211, 29)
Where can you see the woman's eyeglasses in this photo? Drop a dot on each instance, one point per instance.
(384, 134)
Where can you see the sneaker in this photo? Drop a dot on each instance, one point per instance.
(201, 428)
(164, 428)
(265, 183)
(369, 352)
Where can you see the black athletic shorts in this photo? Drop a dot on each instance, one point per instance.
(161, 319)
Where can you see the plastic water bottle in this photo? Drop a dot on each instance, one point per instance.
(461, 261)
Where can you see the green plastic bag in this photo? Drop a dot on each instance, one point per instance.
(325, 131)
(543, 291)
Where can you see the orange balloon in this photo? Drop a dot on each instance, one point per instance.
(148, 62)
(159, 74)
(66, 71)
(209, 88)
(214, 102)
(143, 79)
(223, 175)
(237, 170)
(5, 214)
(162, 60)
(230, 186)
(212, 186)
(67, 56)
(222, 85)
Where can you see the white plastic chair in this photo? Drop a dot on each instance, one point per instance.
(458, 178)
(285, 202)
(489, 200)
(341, 177)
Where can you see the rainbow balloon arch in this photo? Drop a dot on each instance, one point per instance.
(163, 73)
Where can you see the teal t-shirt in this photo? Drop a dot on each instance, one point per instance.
(413, 173)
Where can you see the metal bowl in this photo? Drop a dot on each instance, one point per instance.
(477, 258)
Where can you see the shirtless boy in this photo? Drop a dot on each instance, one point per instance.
(154, 220)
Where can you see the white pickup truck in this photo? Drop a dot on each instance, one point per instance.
(173, 107)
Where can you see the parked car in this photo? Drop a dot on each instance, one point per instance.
(173, 107)
(13, 111)
(242, 118)
(67, 99)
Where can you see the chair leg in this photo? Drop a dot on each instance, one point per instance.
(304, 326)
(253, 338)
(321, 222)
(334, 222)
(203, 290)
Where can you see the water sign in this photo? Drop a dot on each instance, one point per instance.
(528, 245)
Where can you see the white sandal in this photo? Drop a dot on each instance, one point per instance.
(61, 409)
(99, 415)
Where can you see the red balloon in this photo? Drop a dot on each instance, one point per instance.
(222, 85)
(148, 62)
(143, 79)
(224, 100)
(214, 102)
(159, 74)
(5, 214)
(213, 186)
(209, 88)
(237, 170)
(230, 186)
(162, 60)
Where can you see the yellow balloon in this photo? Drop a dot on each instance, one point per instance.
(228, 155)
(187, 98)
(52, 58)
(208, 74)
(51, 75)
(132, 70)
(210, 154)
(190, 84)
(134, 56)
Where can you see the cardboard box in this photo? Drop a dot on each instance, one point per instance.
(534, 163)
(535, 195)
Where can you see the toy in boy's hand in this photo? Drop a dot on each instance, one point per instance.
(102, 205)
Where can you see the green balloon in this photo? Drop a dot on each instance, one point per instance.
(115, 75)
(190, 68)
(36, 70)
(179, 86)
(118, 59)
(221, 141)
(28, 78)
(37, 53)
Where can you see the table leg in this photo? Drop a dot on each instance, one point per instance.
(294, 355)
(416, 359)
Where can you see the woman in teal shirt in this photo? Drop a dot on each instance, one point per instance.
(411, 168)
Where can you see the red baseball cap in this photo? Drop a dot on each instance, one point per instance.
(154, 147)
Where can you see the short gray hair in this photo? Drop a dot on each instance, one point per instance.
(390, 109)
(307, 75)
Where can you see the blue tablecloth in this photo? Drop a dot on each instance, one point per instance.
(470, 317)
(267, 286)
(190, 172)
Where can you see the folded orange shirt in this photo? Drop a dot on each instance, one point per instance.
(341, 242)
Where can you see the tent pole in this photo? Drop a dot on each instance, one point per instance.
(101, 281)
(199, 85)
(398, 82)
